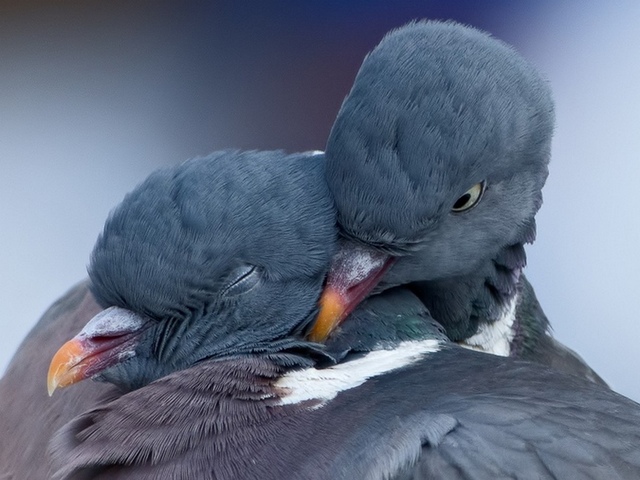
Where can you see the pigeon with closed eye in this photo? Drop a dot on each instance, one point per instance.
(436, 163)
(236, 232)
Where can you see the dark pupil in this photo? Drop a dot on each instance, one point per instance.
(461, 202)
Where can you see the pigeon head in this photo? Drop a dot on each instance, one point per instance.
(437, 158)
(219, 256)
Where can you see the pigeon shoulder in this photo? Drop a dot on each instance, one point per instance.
(525, 422)
(28, 417)
(534, 341)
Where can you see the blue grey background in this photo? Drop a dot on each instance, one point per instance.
(95, 95)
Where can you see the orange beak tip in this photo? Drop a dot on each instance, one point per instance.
(63, 369)
(332, 308)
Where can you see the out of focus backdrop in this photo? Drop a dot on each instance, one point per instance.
(95, 95)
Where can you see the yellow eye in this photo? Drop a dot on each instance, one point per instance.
(470, 198)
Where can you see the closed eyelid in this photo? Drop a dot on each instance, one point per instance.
(243, 279)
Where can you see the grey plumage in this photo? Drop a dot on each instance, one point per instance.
(454, 413)
(228, 414)
(435, 109)
(180, 261)
(532, 340)
(203, 394)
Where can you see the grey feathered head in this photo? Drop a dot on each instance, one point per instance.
(219, 256)
(435, 109)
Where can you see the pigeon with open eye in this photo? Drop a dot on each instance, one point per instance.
(405, 403)
(212, 258)
(436, 162)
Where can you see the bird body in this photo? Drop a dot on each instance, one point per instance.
(441, 414)
(424, 408)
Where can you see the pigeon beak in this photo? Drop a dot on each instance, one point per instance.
(355, 270)
(109, 338)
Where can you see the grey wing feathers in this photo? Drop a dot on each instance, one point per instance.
(500, 437)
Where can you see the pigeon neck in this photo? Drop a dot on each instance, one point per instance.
(479, 309)
(533, 341)
(531, 325)
(382, 322)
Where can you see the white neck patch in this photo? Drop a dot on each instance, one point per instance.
(324, 384)
(495, 337)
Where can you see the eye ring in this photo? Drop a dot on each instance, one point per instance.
(469, 199)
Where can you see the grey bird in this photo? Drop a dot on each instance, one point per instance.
(215, 378)
(436, 162)
(171, 245)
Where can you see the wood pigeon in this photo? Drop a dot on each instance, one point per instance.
(203, 260)
(215, 219)
(203, 338)
(436, 163)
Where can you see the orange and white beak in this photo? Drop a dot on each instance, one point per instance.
(109, 338)
(355, 271)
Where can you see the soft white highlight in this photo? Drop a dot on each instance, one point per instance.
(324, 384)
(495, 337)
(112, 321)
(354, 263)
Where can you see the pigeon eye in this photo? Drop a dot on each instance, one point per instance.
(470, 198)
(242, 279)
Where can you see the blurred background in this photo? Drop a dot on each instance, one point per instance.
(96, 95)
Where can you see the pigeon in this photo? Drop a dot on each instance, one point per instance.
(436, 163)
(169, 243)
